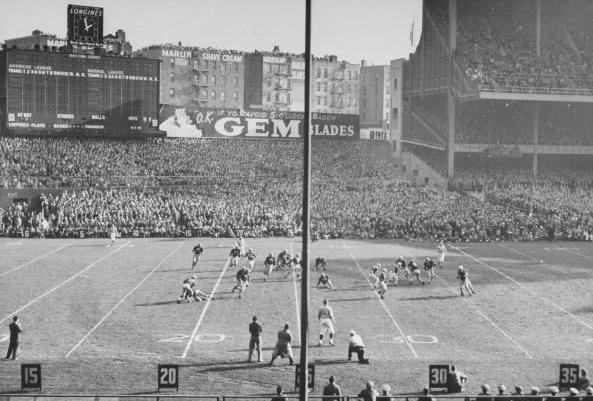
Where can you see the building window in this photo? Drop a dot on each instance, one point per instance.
(235, 96)
(222, 66)
(222, 96)
(204, 64)
(349, 75)
(213, 65)
(235, 81)
(268, 83)
(356, 75)
(236, 67)
(268, 67)
(213, 79)
(223, 81)
(172, 62)
(325, 101)
(268, 97)
(172, 77)
(213, 94)
(318, 72)
(354, 102)
(325, 87)
(347, 88)
(395, 115)
(277, 97)
(288, 98)
(386, 116)
(172, 92)
(325, 73)
(318, 100)
(204, 78)
(318, 86)
(394, 83)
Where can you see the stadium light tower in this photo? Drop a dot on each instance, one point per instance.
(303, 379)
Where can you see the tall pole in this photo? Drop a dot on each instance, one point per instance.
(303, 389)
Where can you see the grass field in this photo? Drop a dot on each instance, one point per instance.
(100, 318)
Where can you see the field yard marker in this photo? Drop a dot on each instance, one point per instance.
(34, 260)
(64, 282)
(402, 334)
(83, 339)
(193, 334)
(518, 252)
(296, 298)
(487, 319)
(560, 308)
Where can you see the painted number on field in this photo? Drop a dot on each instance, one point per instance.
(412, 338)
(31, 376)
(569, 375)
(200, 338)
(438, 376)
(168, 376)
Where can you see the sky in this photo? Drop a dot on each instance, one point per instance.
(375, 30)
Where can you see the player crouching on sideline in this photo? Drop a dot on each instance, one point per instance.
(356, 346)
(414, 272)
(429, 268)
(283, 346)
(269, 264)
(198, 251)
(464, 282)
(325, 315)
(324, 281)
(242, 277)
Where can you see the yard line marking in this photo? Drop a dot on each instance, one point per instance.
(34, 260)
(87, 335)
(193, 334)
(560, 308)
(487, 319)
(573, 253)
(65, 282)
(402, 334)
(296, 298)
(518, 252)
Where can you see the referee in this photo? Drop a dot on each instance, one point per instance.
(255, 330)
(13, 345)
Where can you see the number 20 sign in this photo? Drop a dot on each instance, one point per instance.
(168, 376)
(438, 376)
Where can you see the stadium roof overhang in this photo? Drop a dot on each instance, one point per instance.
(537, 97)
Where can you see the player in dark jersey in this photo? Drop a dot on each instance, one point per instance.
(429, 268)
(294, 267)
(320, 263)
(189, 290)
(235, 257)
(393, 275)
(401, 265)
(382, 286)
(198, 251)
(269, 263)
(324, 281)
(283, 259)
(242, 277)
(414, 272)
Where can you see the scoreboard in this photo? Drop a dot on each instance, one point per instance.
(55, 92)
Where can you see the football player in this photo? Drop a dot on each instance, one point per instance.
(112, 234)
(197, 251)
(250, 255)
(382, 285)
(270, 264)
(242, 278)
(295, 267)
(320, 263)
(442, 253)
(464, 283)
(373, 278)
(235, 256)
(241, 245)
(393, 275)
(324, 281)
(429, 267)
(283, 259)
(414, 272)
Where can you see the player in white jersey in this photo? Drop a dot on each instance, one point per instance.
(393, 274)
(241, 245)
(326, 322)
(250, 255)
(112, 234)
(373, 278)
(442, 253)
(382, 286)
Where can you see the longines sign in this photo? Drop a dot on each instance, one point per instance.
(231, 123)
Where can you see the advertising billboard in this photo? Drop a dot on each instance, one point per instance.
(201, 122)
(52, 91)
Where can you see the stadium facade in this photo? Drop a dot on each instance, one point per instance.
(500, 82)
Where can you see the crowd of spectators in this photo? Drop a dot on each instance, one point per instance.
(254, 187)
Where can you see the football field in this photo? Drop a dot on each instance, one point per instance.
(99, 319)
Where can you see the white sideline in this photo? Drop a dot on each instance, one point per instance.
(524, 287)
(193, 334)
(65, 282)
(87, 335)
(296, 298)
(34, 260)
(403, 336)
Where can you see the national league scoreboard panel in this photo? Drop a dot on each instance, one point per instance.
(52, 92)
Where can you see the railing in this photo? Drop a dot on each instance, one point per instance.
(535, 90)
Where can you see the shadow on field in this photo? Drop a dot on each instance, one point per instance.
(353, 299)
(157, 303)
(584, 310)
(430, 297)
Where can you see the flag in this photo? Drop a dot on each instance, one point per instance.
(412, 34)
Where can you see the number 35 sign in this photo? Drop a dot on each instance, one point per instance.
(569, 375)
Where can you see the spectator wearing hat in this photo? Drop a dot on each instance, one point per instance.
(279, 394)
(385, 393)
(426, 396)
(331, 392)
(356, 345)
(584, 381)
(502, 392)
(456, 381)
(554, 394)
(535, 394)
(573, 394)
(589, 396)
(369, 393)
(485, 394)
